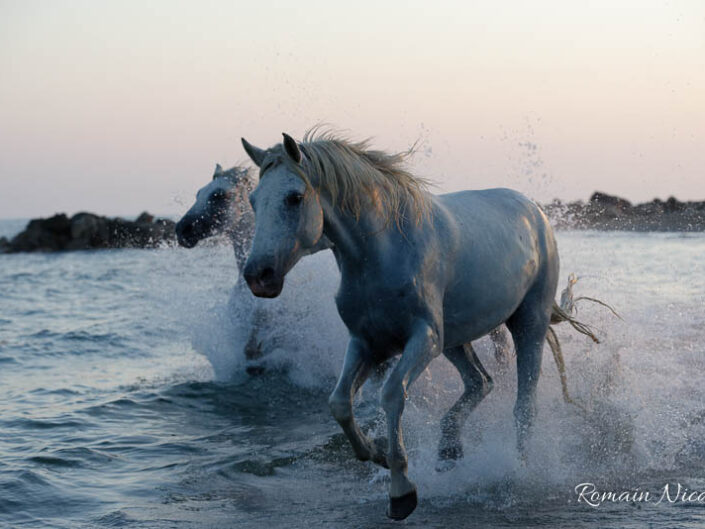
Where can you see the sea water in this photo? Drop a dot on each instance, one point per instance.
(125, 399)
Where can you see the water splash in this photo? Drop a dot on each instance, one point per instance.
(299, 332)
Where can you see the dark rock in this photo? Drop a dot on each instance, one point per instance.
(603, 207)
(607, 212)
(43, 234)
(674, 205)
(605, 200)
(86, 231)
(653, 208)
(145, 218)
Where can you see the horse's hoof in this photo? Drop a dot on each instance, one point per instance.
(379, 453)
(403, 506)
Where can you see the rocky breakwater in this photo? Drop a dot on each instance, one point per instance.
(608, 212)
(86, 231)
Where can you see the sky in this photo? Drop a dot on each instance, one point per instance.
(122, 106)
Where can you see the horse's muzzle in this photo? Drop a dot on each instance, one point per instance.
(185, 234)
(263, 282)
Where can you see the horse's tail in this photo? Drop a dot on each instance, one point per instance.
(564, 312)
(559, 315)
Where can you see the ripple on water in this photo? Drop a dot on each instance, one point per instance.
(81, 455)
(79, 336)
(46, 494)
(51, 461)
(47, 424)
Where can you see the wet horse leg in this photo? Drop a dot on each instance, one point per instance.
(528, 326)
(478, 384)
(356, 368)
(423, 346)
(500, 341)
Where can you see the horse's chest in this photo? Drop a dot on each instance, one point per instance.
(382, 316)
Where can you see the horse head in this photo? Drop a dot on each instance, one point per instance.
(289, 216)
(219, 206)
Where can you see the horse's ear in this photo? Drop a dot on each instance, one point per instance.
(292, 148)
(218, 171)
(253, 152)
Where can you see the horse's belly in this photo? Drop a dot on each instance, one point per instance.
(475, 305)
(458, 331)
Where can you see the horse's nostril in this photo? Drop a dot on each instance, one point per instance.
(266, 273)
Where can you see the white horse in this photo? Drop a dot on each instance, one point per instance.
(421, 275)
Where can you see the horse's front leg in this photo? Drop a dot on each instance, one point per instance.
(423, 346)
(356, 368)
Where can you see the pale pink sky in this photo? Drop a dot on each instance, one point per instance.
(122, 106)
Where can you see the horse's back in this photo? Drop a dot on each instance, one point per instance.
(502, 246)
(488, 204)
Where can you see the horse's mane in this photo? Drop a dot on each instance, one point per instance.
(235, 172)
(239, 177)
(355, 177)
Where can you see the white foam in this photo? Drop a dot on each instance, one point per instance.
(299, 331)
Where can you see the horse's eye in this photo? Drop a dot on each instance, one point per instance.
(294, 199)
(217, 196)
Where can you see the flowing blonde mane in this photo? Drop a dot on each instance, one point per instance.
(356, 177)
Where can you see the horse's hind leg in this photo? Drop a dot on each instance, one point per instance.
(528, 326)
(478, 384)
(500, 341)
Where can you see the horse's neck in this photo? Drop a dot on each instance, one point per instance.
(355, 241)
(241, 234)
(240, 254)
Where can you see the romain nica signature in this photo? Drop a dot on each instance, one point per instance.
(670, 493)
